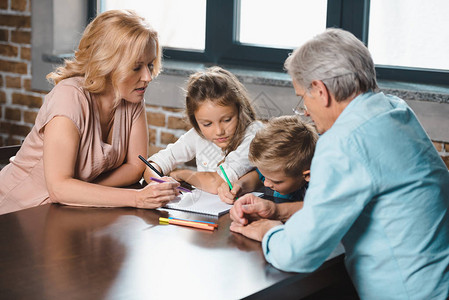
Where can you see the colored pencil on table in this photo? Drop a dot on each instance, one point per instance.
(186, 223)
(204, 222)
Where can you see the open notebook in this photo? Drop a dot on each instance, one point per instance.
(201, 202)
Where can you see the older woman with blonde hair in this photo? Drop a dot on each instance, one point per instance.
(92, 126)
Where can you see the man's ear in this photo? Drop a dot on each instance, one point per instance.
(306, 175)
(321, 92)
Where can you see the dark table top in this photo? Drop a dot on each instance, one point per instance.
(62, 252)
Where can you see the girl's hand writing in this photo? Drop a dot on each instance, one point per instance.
(226, 195)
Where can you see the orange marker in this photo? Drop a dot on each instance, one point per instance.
(186, 223)
(197, 221)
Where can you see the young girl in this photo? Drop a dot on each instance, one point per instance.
(224, 123)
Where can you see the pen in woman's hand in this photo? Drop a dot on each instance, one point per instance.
(151, 166)
(179, 187)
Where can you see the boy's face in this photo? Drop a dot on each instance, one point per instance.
(281, 183)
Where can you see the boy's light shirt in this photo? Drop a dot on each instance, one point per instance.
(380, 187)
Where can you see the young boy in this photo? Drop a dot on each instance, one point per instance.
(282, 152)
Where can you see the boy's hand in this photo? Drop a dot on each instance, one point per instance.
(226, 195)
(249, 208)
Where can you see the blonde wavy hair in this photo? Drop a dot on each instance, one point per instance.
(285, 144)
(223, 88)
(109, 48)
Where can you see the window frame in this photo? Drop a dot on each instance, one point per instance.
(222, 47)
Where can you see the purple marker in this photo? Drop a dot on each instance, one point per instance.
(179, 187)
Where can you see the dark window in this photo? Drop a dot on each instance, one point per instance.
(227, 43)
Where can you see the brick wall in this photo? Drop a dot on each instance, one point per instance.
(19, 104)
(165, 126)
(443, 149)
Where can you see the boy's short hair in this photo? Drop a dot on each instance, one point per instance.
(285, 143)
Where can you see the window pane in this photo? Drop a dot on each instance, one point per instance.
(281, 23)
(409, 33)
(181, 24)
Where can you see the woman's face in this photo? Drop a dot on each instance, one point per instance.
(216, 122)
(132, 89)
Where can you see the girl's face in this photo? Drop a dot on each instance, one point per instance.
(217, 123)
(132, 89)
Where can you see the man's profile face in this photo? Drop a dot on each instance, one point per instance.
(310, 106)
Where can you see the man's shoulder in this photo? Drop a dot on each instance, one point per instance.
(368, 113)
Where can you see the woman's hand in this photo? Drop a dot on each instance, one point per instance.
(229, 196)
(156, 195)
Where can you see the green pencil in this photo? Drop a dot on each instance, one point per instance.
(226, 177)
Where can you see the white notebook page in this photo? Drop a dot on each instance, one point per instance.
(201, 202)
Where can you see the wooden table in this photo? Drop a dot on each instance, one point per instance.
(61, 252)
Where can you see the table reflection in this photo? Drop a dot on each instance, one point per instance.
(63, 252)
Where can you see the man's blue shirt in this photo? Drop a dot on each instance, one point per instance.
(379, 186)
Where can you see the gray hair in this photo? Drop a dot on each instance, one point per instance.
(337, 58)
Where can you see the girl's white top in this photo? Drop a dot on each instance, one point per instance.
(191, 145)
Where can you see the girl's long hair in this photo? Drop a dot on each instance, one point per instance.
(222, 88)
